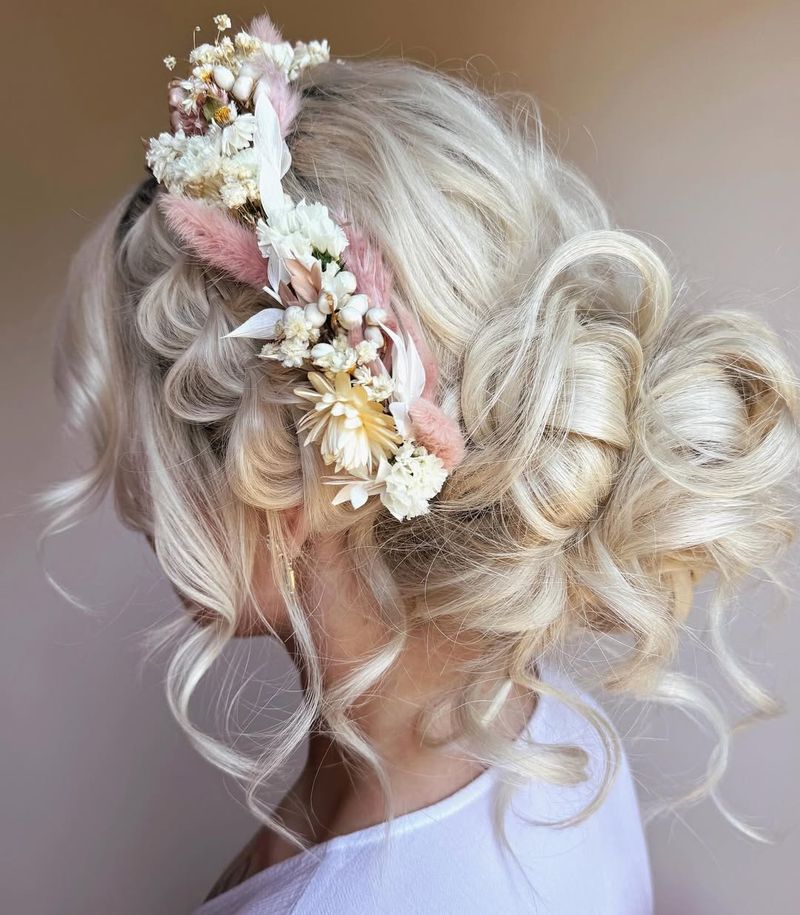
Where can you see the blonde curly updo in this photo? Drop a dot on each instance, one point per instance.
(619, 445)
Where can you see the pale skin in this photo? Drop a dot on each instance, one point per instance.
(330, 799)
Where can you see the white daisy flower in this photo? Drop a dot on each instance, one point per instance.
(230, 130)
(203, 73)
(358, 486)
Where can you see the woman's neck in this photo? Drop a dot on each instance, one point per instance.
(333, 797)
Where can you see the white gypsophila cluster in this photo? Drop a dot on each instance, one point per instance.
(226, 148)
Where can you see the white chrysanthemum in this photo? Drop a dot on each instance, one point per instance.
(353, 432)
(197, 171)
(294, 325)
(162, 151)
(336, 356)
(294, 351)
(297, 230)
(415, 476)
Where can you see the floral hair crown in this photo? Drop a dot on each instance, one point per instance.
(369, 377)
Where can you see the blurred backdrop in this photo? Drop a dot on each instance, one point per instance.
(684, 114)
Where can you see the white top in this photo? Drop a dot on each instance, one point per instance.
(445, 858)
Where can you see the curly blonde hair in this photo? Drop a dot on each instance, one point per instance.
(619, 444)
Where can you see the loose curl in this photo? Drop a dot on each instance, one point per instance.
(619, 445)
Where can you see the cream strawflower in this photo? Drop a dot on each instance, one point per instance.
(353, 431)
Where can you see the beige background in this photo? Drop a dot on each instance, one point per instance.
(686, 116)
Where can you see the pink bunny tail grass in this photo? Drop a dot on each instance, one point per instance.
(264, 28)
(216, 238)
(286, 102)
(438, 432)
(284, 96)
(364, 261)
